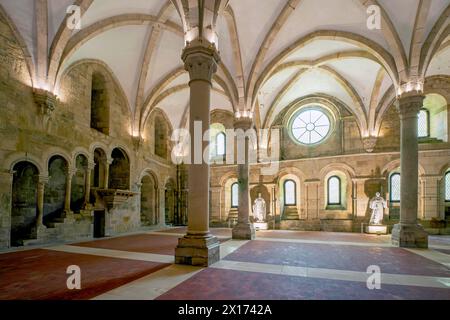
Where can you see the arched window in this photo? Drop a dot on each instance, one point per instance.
(235, 195)
(394, 187)
(290, 193)
(447, 187)
(221, 144)
(99, 104)
(334, 190)
(423, 124)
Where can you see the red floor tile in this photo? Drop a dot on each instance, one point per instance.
(354, 258)
(217, 284)
(41, 274)
(323, 236)
(144, 243)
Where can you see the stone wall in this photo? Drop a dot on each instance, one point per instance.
(27, 135)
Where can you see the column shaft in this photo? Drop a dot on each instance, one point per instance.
(244, 229)
(408, 233)
(40, 204)
(68, 193)
(87, 186)
(198, 247)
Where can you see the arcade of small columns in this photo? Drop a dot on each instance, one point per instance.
(44, 179)
(199, 247)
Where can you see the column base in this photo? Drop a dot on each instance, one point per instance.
(201, 251)
(244, 231)
(409, 236)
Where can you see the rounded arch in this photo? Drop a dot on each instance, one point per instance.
(102, 68)
(444, 169)
(120, 170)
(57, 152)
(290, 171)
(102, 26)
(344, 168)
(98, 145)
(395, 165)
(81, 151)
(148, 172)
(11, 160)
(227, 176)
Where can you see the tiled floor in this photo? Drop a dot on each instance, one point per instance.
(278, 265)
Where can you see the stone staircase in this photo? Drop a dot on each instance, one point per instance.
(71, 228)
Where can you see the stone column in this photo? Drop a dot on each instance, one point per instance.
(244, 230)
(162, 206)
(408, 233)
(40, 202)
(108, 162)
(87, 183)
(199, 247)
(67, 201)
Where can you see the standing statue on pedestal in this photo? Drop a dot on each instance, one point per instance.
(377, 205)
(259, 209)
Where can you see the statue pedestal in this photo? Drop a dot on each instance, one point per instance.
(261, 226)
(376, 229)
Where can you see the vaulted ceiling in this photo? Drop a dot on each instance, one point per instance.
(273, 51)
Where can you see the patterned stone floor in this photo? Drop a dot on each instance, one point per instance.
(278, 265)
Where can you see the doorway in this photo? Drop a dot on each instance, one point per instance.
(99, 224)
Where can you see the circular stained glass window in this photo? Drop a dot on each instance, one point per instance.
(310, 126)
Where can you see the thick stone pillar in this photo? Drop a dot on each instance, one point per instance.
(199, 247)
(244, 230)
(408, 233)
(40, 202)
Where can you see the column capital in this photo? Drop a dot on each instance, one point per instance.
(409, 104)
(90, 166)
(244, 123)
(200, 59)
(43, 179)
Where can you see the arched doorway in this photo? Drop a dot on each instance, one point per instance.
(55, 191)
(149, 202)
(119, 171)
(169, 201)
(24, 203)
(78, 190)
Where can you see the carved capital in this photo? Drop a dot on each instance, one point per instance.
(90, 166)
(409, 104)
(243, 123)
(43, 179)
(369, 143)
(200, 60)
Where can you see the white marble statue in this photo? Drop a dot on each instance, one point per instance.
(259, 209)
(377, 205)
